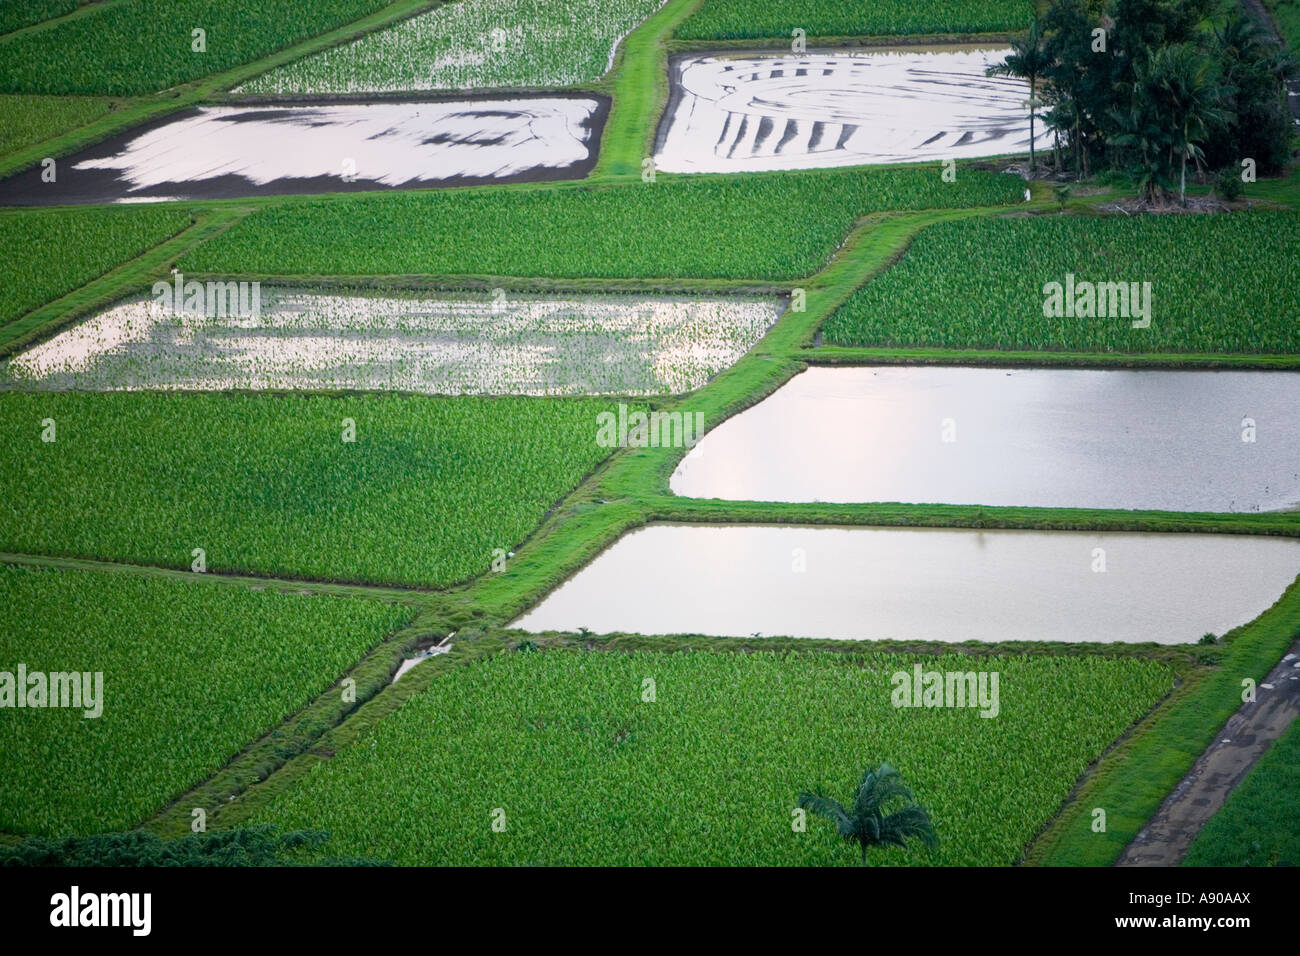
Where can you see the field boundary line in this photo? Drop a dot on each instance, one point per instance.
(843, 41)
(105, 289)
(79, 11)
(413, 596)
(827, 355)
(465, 282)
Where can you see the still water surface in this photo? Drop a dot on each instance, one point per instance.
(922, 584)
(737, 112)
(1168, 440)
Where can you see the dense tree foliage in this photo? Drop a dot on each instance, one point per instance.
(1158, 88)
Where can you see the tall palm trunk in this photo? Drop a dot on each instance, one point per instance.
(1078, 148)
(1032, 92)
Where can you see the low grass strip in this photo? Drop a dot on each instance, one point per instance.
(1130, 783)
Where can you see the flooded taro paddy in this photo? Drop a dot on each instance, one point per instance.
(432, 343)
(217, 152)
(921, 584)
(761, 111)
(1150, 439)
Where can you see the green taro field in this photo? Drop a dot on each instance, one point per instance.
(128, 47)
(48, 254)
(17, 14)
(968, 285)
(265, 483)
(191, 673)
(757, 227)
(707, 773)
(234, 516)
(26, 120)
(755, 19)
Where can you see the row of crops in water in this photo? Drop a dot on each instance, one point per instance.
(470, 44)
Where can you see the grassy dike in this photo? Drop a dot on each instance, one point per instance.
(639, 86)
(1131, 782)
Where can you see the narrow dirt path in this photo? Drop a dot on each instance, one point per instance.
(1199, 795)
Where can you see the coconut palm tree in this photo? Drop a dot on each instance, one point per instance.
(1028, 60)
(866, 822)
(1177, 97)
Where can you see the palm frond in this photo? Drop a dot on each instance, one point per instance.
(910, 822)
(831, 809)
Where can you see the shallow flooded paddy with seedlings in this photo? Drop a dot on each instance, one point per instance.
(489, 343)
(470, 44)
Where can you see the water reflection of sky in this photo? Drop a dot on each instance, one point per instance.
(1045, 438)
(788, 111)
(392, 144)
(922, 584)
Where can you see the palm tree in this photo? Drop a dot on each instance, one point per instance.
(1185, 90)
(1027, 60)
(867, 824)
